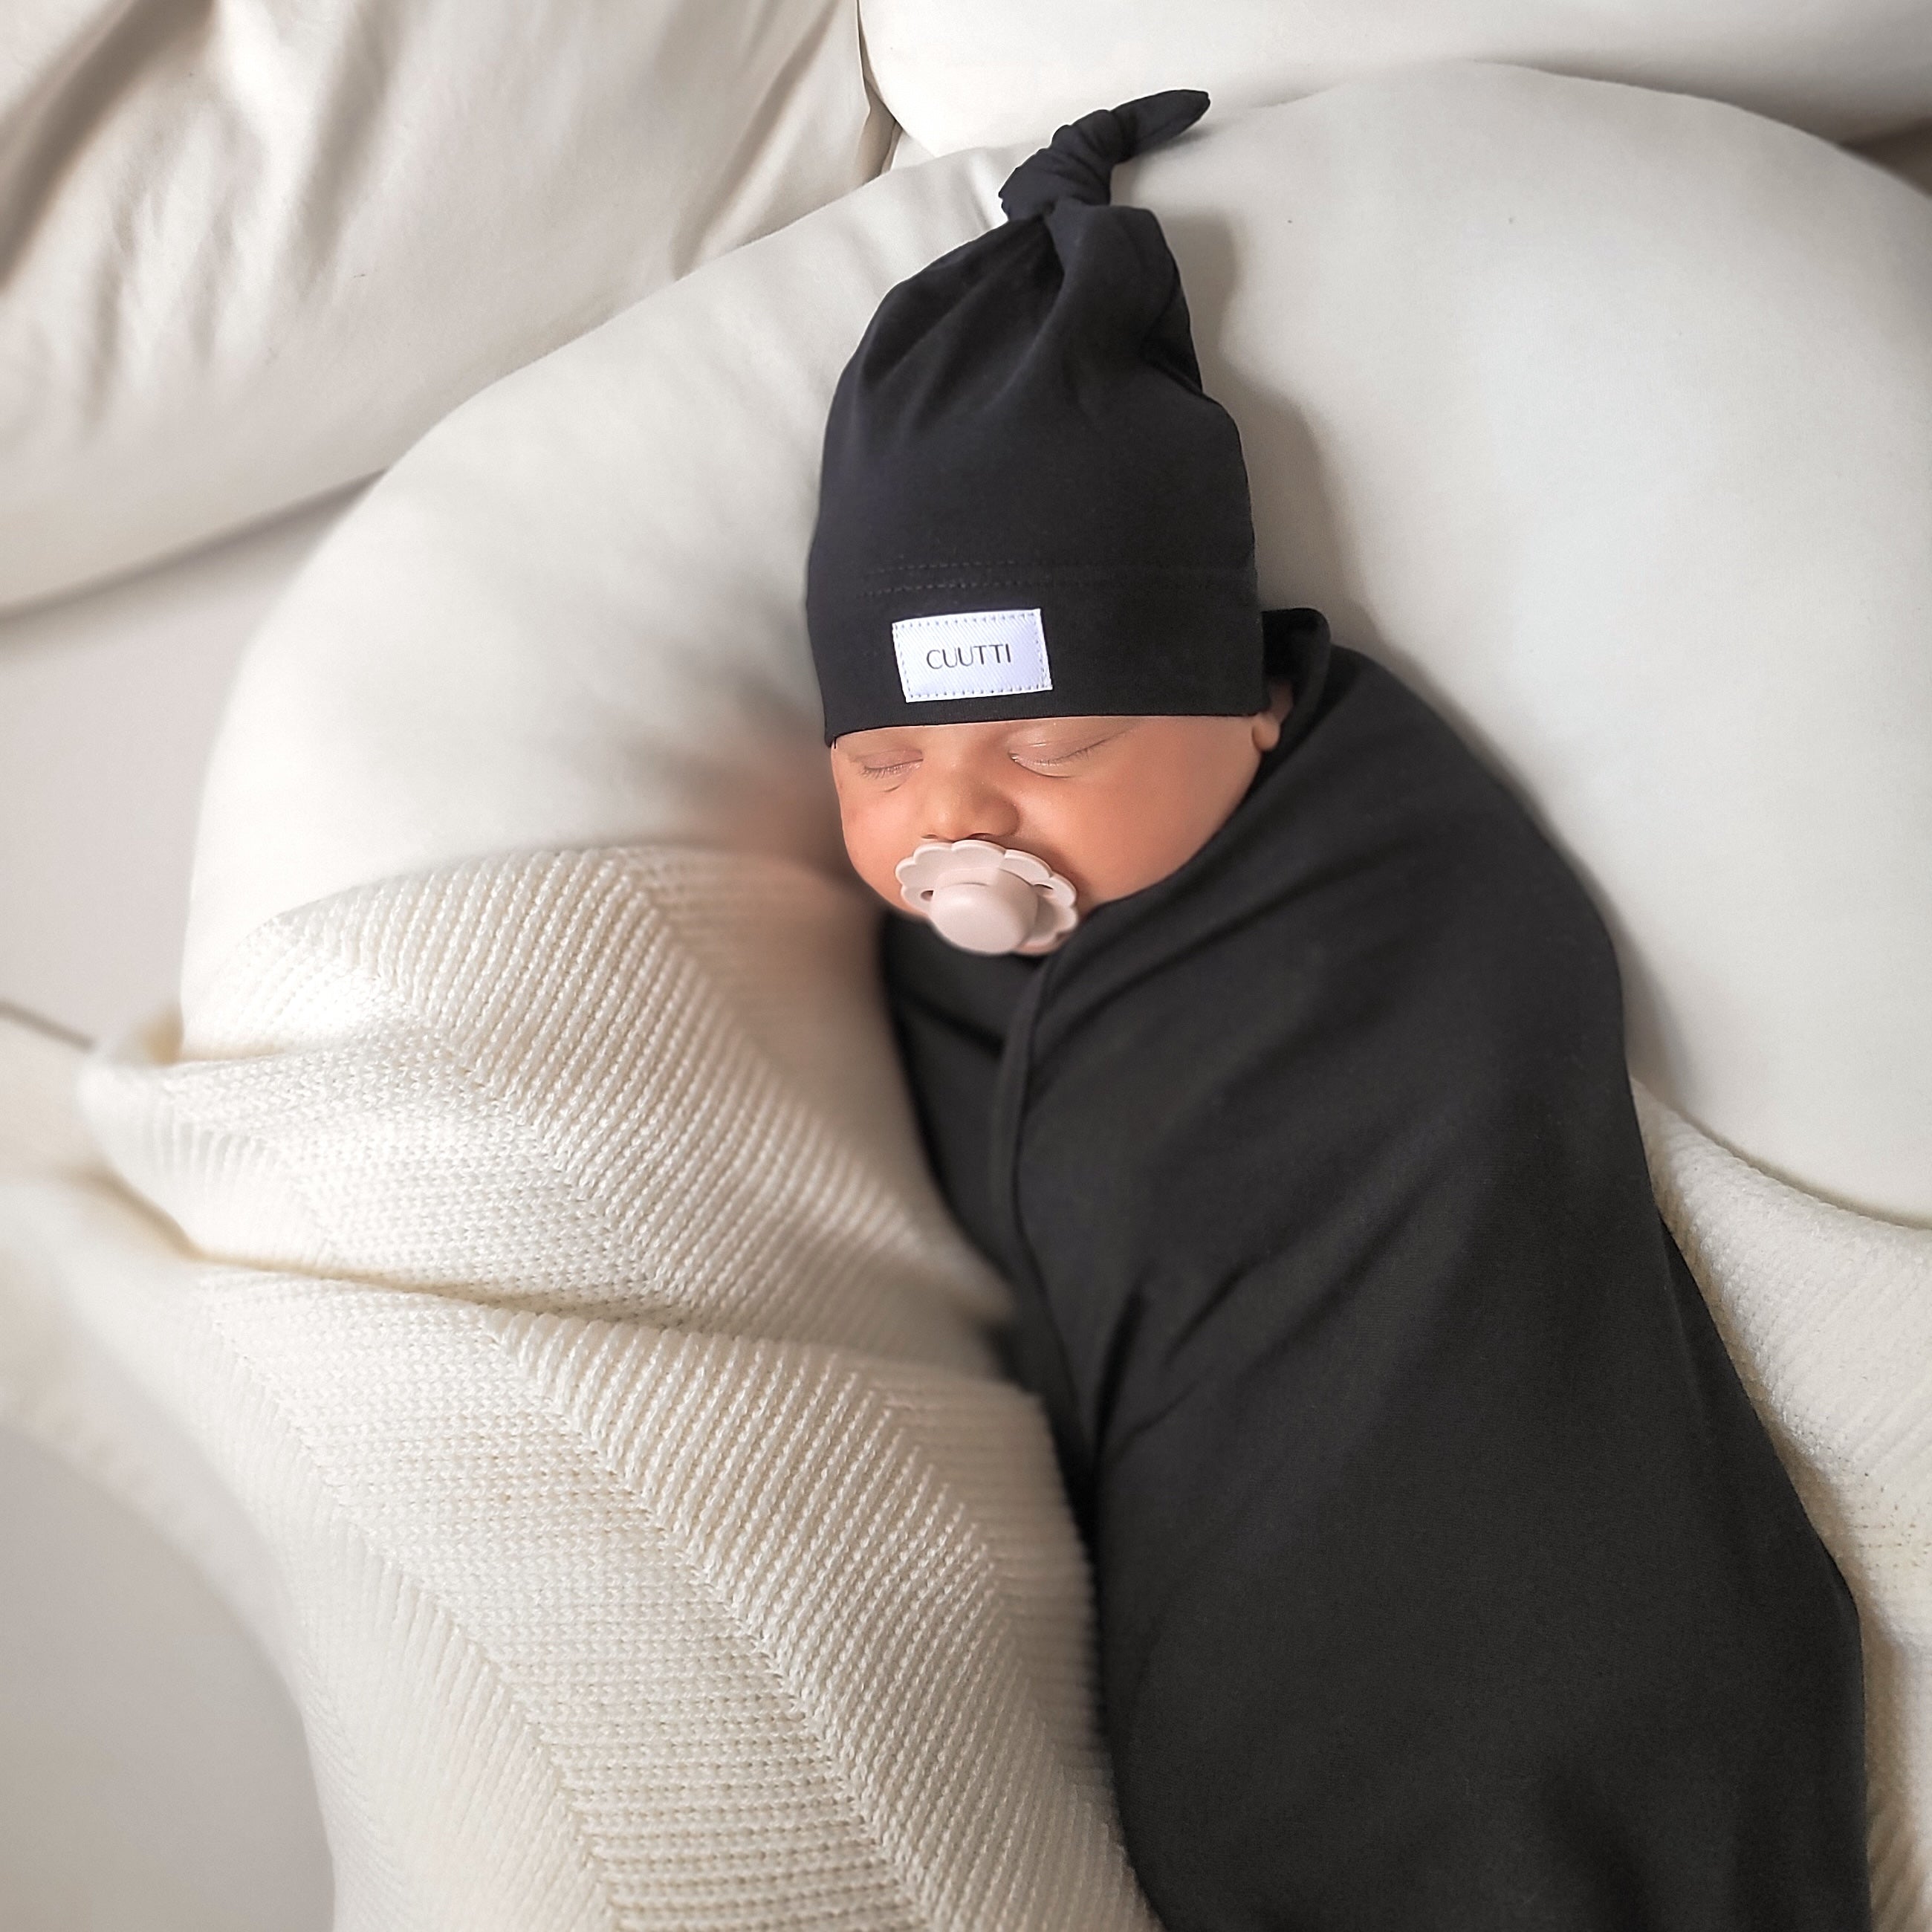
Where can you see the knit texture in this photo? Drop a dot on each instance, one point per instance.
(614, 1399)
(1828, 1315)
(582, 1391)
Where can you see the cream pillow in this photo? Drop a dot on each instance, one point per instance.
(1597, 411)
(956, 75)
(252, 251)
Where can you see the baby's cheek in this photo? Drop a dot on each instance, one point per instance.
(1085, 835)
(873, 846)
(1133, 836)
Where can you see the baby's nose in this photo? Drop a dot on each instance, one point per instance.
(966, 807)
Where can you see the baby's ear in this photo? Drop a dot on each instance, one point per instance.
(1267, 724)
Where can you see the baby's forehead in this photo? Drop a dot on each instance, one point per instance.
(989, 731)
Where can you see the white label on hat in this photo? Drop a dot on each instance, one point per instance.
(971, 654)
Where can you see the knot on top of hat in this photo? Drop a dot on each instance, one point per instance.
(1077, 163)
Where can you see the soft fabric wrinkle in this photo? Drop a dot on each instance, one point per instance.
(48, 128)
(334, 81)
(253, 252)
(743, 175)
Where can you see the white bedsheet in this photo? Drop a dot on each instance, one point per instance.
(154, 1776)
(109, 702)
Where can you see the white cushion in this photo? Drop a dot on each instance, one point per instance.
(1597, 411)
(955, 72)
(252, 251)
(573, 613)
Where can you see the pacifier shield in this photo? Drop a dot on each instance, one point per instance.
(984, 898)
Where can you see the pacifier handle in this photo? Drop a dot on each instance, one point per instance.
(994, 915)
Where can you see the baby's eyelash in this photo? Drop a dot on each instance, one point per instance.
(1060, 757)
(886, 771)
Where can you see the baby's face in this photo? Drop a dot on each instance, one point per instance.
(1112, 804)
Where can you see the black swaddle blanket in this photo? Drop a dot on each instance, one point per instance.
(1445, 1577)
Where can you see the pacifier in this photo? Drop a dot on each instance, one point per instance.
(985, 899)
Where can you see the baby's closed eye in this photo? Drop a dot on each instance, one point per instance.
(1055, 753)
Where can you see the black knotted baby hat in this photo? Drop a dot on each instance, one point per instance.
(1028, 506)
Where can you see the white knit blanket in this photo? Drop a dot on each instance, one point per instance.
(1828, 1315)
(657, 1546)
(640, 1522)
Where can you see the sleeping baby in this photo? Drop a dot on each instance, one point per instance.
(1445, 1578)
